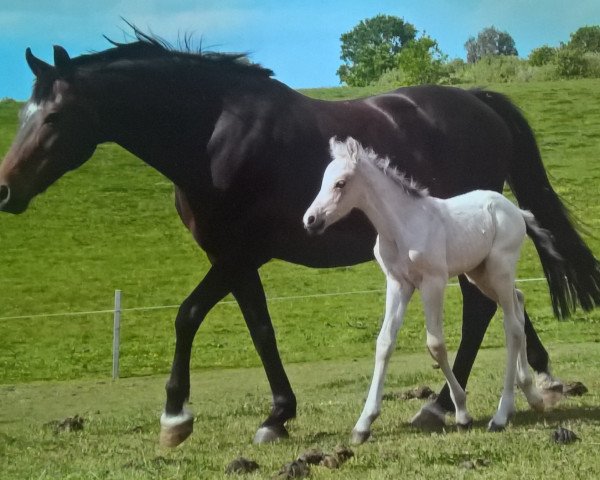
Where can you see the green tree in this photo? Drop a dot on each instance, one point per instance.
(586, 39)
(421, 61)
(490, 41)
(542, 56)
(369, 49)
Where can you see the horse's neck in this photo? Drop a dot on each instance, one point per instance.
(166, 128)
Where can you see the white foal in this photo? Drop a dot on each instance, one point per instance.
(422, 242)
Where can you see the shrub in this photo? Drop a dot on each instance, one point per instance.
(542, 56)
(571, 63)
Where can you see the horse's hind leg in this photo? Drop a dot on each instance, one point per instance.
(176, 422)
(249, 293)
(432, 293)
(396, 300)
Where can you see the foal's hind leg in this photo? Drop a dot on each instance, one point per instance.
(524, 377)
(396, 300)
(432, 293)
(497, 281)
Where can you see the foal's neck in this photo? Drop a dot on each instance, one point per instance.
(388, 206)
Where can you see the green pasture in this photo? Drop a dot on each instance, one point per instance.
(112, 224)
(120, 429)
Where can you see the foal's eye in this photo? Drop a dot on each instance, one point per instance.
(340, 184)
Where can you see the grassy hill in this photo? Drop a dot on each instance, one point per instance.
(112, 224)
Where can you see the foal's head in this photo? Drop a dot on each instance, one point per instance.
(340, 189)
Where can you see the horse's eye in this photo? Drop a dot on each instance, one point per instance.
(340, 184)
(52, 117)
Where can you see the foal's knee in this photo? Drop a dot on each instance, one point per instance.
(437, 348)
(384, 348)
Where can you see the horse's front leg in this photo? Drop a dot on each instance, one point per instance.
(397, 298)
(176, 421)
(248, 291)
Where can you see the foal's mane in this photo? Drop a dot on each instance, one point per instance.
(408, 185)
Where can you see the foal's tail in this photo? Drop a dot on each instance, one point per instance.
(576, 279)
(543, 240)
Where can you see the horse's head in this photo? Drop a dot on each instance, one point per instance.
(54, 134)
(338, 194)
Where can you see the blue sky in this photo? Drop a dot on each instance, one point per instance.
(298, 39)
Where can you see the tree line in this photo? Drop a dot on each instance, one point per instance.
(388, 50)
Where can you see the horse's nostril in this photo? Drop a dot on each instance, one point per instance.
(4, 193)
(310, 220)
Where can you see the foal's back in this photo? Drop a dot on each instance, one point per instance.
(476, 223)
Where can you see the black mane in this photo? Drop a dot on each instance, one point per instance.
(151, 47)
(151, 52)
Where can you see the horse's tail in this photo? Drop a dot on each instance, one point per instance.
(575, 280)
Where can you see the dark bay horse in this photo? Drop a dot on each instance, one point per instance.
(246, 154)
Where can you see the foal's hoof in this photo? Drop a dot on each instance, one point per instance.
(175, 429)
(431, 417)
(495, 427)
(269, 434)
(358, 438)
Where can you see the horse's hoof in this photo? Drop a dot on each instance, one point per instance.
(546, 381)
(358, 438)
(269, 434)
(538, 405)
(495, 427)
(465, 427)
(551, 397)
(175, 429)
(430, 418)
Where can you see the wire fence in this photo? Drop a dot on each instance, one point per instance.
(223, 302)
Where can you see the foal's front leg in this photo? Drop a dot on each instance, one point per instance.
(396, 300)
(432, 293)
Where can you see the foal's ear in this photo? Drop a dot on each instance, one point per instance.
(36, 65)
(353, 148)
(62, 60)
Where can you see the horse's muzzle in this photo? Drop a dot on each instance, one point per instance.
(8, 202)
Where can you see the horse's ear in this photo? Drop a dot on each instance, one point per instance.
(37, 66)
(62, 60)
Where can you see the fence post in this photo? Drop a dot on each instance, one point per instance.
(116, 335)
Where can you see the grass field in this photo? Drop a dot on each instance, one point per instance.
(119, 438)
(111, 224)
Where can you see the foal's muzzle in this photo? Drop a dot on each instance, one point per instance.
(313, 225)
